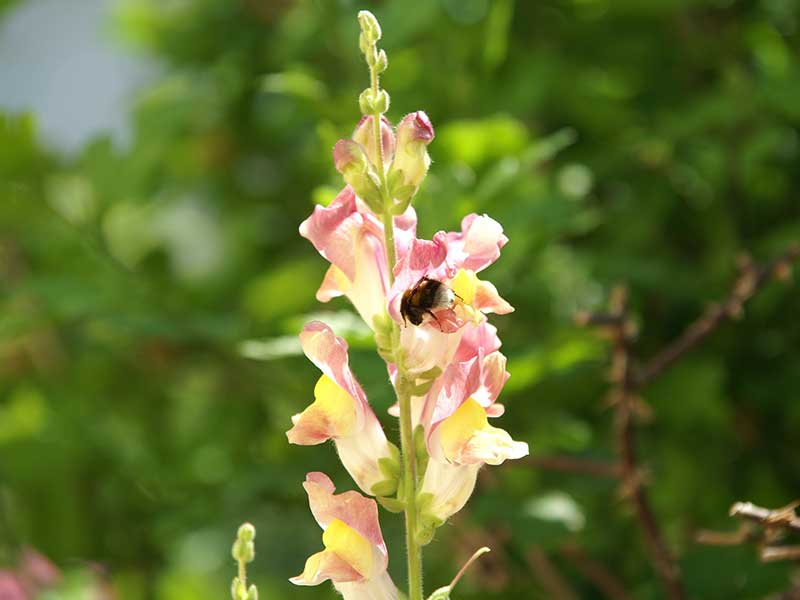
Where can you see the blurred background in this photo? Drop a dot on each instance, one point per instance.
(156, 159)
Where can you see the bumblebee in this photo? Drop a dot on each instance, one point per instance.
(426, 295)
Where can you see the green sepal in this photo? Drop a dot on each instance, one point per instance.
(420, 389)
(391, 504)
(387, 487)
(394, 179)
(432, 373)
(389, 466)
(364, 186)
(382, 324)
(386, 354)
(426, 523)
(426, 527)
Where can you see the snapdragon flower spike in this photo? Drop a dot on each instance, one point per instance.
(350, 237)
(355, 556)
(340, 411)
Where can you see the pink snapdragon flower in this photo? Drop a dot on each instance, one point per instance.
(340, 410)
(350, 237)
(455, 415)
(355, 556)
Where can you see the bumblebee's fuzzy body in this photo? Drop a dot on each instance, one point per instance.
(423, 298)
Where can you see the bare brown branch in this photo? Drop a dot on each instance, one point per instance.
(752, 279)
(625, 400)
(763, 526)
(549, 577)
(779, 553)
(724, 538)
(780, 517)
(603, 579)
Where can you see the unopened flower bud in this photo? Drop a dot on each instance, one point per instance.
(382, 62)
(365, 135)
(364, 44)
(247, 532)
(366, 102)
(381, 103)
(349, 156)
(243, 551)
(252, 593)
(411, 160)
(351, 161)
(415, 127)
(369, 25)
(238, 590)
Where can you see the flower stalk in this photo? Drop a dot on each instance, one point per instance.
(243, 552)
(377, 62)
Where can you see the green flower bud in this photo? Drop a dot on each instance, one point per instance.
(247, 532)
(364, 44)
(411, 160)
(238, 591)
(381, 103)
(382, 62)
(366, 102)
(243, 551)
(369, 25)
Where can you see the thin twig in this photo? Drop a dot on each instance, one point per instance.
(548, 575)
(625, 399)
(726, 538)
(779, 553)
(752, 278)
(763, 526)
(603, 579)
(780, 517)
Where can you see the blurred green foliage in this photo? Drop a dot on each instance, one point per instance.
(151, 291)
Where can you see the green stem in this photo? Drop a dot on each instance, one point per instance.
(410, 493)
(409, 457)
(243, 573)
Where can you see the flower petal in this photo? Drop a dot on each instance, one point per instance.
(326, 565)
(353, 509)
(450, 487)
(329, 353)
(479, 243)
(333, 414)
(466, 438)
(377, 588)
